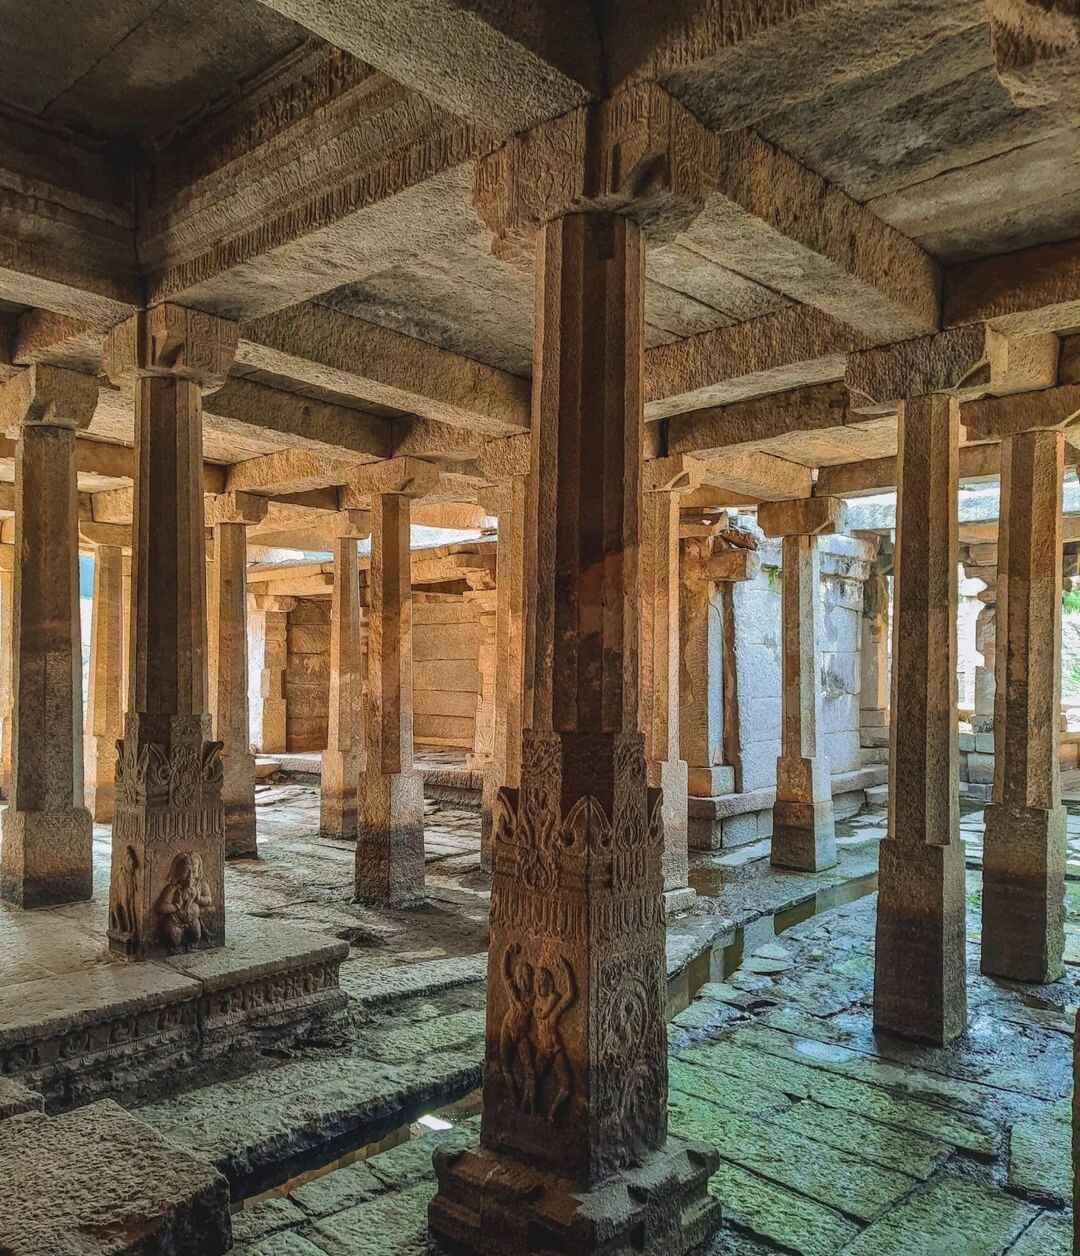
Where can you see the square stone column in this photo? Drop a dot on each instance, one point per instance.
(804, 835)
(168, 865)
(105, 696)
(508, 461)
(275, 614)
(342, 758)
(919, 975)
(574, 1155)
(874, 649)
(1023, 903)
(664, 479)
(483, 596)
(46, 857)
(7, 658)
(230, 515)
(390, 844)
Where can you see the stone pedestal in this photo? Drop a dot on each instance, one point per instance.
(232, 514)
(804, 835)
(574, 1155)
(1023, 906)
(344, 748)
(168, 879)
(390, 845)
(508, 502)
(275, 615)
(105, 697)
(46, 856)
(919, 975)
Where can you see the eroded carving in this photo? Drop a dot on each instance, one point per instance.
(124, 916)
(531, 1048)
(183, 902)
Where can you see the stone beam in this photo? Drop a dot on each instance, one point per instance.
(995, 418)
(321, 347)
(1036, 47)
(503, 66)
(331, 173)
(404, 477)
(785, 350)
(1023, 293)
(757, 476)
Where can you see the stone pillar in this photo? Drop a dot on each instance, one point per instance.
(874, 651)
(508, 502)
(919, 983)
(704, 568)
(125, 628)
(46, 856)
(275, 613)
(390, 846)
(168, 864)
(7, 658)
(105, 697)
(574, 1155)
(804, 835)
(344, 750)
(485, 599)
(663, 481)
(232, 513)
(1023, 908)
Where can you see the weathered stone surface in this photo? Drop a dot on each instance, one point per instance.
(1040, 1159)
(105, 698)
(125, 1190)
(344, 748)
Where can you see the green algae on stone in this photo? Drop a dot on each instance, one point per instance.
(410, 1162)
(1040, 1158)
(832, 1177)
(817, 1081)
(772, 1213)
(394, 1224)
(951, 1216)
(285, 1243)
(334, 1192)
(880, 1144)
(260, 1220)
(420, 1040)
(1046, 1236)
(725, 1089)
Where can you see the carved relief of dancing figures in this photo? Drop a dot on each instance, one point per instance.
(532, 1053)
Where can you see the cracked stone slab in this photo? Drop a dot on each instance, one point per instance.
(373, 987)
(125, 1190)
(1040, 1158)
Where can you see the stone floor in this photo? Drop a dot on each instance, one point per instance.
(831, 1142)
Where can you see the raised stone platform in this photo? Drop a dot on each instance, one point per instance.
(446, 778)
(100, 1182)
(114, 1028)
(734, 819)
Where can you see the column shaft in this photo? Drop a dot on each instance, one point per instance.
(804, 835)
(105, 697)
(168, 886)
(701, 663)
(342, 757)
(47, 828)
(575, 1081)
(229, 687)
(7, 661)
(660, 675)
(480, 757)
(390, 847)
(919, 984)
(1024, 845)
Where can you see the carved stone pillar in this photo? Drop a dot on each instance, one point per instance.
(574, 1155)
(919, 983)
(46, 857)
(390, 845)
(664, 479)
(508, 461)
(344, 749)
(707, 563)
(485, 600)
(874, 651)
(1023, 912)
(275, 613)
(231, 515)
(168, 864)
(7, 658)
(804, 835)
(105, 697)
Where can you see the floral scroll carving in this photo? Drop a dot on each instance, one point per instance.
(177, 777)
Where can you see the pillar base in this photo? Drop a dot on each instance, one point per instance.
(47, 858)
(339, 796)
(496, 1205)
(804, 835)
(238, 797)
(920, 983)
(710, 782)
(1023, 901)
(390, 841)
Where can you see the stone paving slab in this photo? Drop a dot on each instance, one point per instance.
(373, 987)
(879, 1144)
(1040, 1158)
(1046, 1236)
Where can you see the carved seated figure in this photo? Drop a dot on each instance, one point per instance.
(182, 903)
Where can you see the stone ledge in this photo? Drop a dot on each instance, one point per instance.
(100, 1180)
(726, 805)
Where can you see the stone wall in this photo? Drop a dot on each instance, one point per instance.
(307, 677)
(446, 679)
(844, 571)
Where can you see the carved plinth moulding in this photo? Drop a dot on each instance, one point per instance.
(167, 891)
